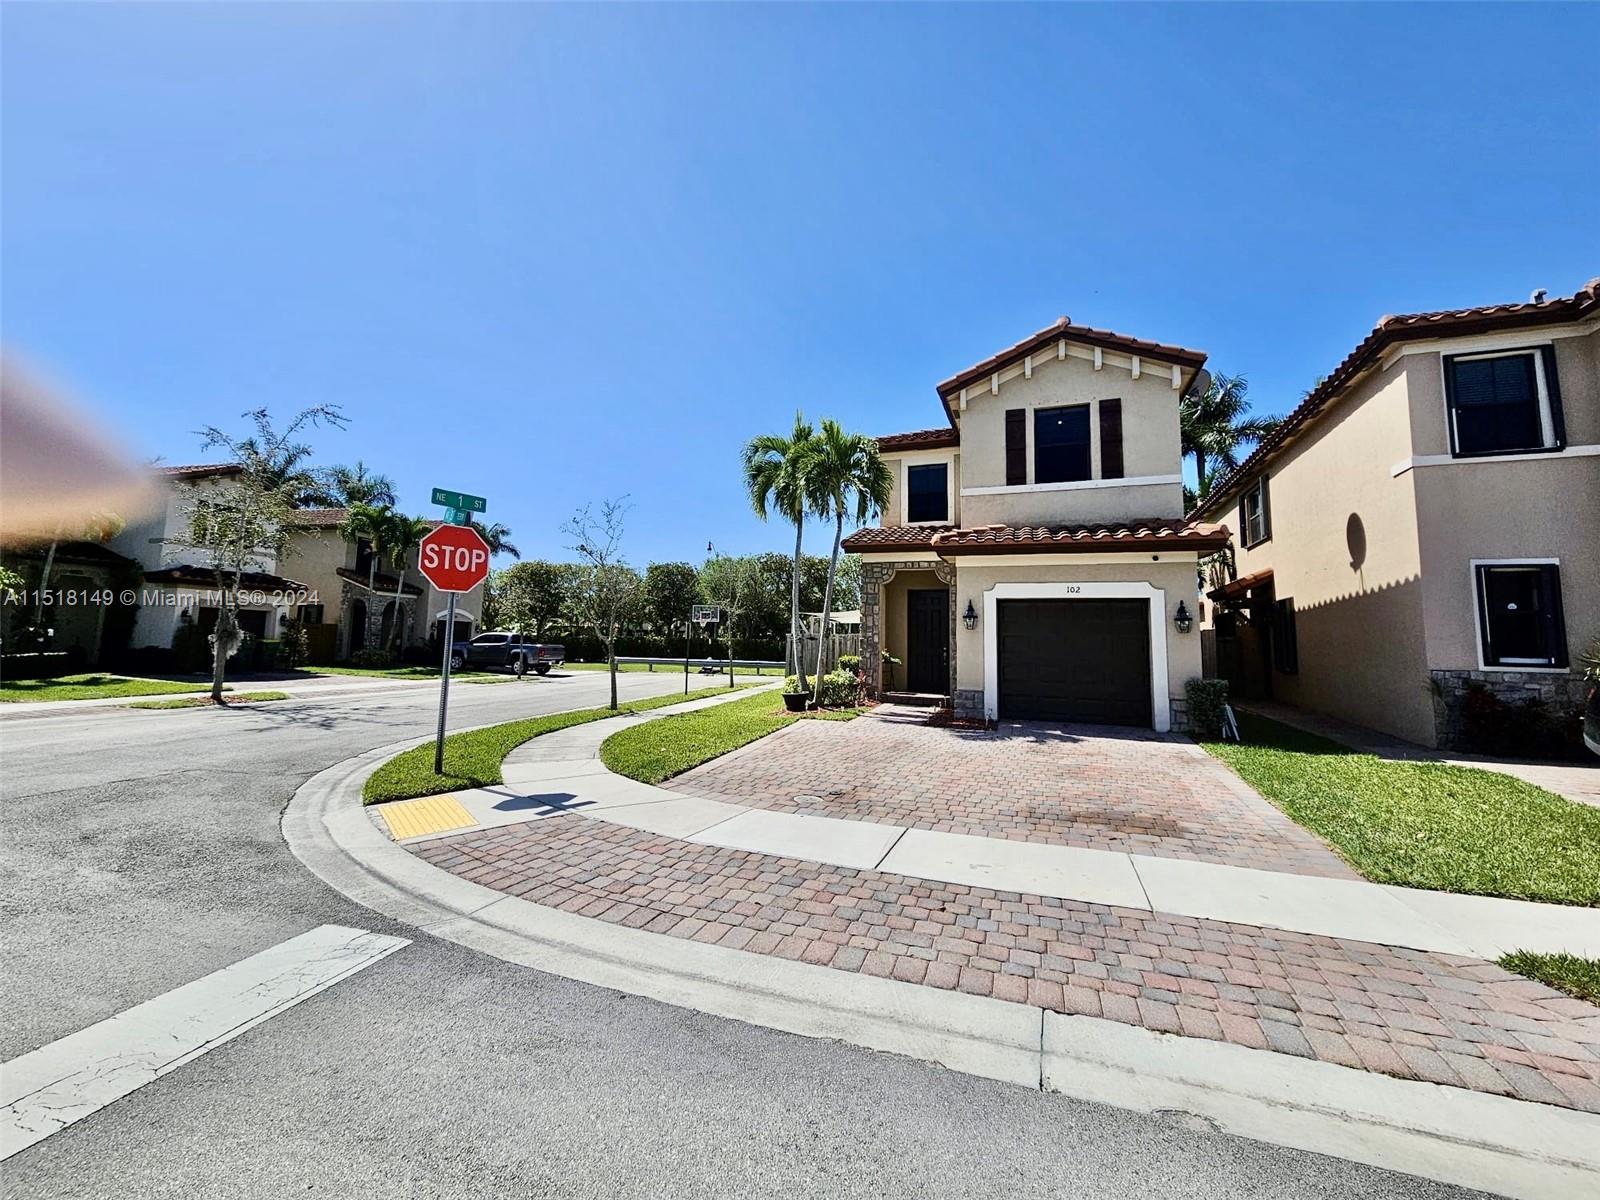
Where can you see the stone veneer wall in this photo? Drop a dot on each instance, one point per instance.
(874, 575)
(1558, 692)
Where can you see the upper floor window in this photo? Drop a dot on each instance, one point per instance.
(928, 493)
(1061, 444)
(1503, 403)
(1519, 615)
(1255, 514)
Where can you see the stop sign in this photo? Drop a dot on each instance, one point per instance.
(454, 558)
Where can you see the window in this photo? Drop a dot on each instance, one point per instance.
(1503, 403)
(1285, 643)
(1061, 444)
(310, 614)
(491, 639)
(1519, 615)
(927, 493)
(1255, 514)
(363, 555)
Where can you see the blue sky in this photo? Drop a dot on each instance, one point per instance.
(555, 254)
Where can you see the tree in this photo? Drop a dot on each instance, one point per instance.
(97, 527)
(777, 475)
(400, 536)
(670, 591)
(850, 480)
(607, 592)
(350, 486)
(1214, 424)
(244, 520)
(725, 581)
(364, 522)
(498, 538)
(529, 596)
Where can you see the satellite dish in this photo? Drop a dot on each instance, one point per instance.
(1202, 381)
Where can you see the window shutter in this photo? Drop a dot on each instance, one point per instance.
(1266, 510)
(1016, 447)
(1244, 518)
(1552, 387)
(1111, 439)
(1554, 619)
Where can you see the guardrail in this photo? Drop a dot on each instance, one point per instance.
(755, 664)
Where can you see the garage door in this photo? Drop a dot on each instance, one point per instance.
(1075, 660)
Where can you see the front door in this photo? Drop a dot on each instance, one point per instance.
(928, 640)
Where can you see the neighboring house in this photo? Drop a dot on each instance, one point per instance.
(82, 575)
(180, 587)
(1034, 560)
(1427, 520)
(346, 615)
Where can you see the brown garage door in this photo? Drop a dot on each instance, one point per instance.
(1075, 660)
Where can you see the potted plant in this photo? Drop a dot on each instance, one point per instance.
(794, 700)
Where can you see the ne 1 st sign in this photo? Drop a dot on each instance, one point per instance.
(460, 500)
(454, 558)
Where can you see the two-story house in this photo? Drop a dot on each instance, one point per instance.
(180, 585)
(1426, 521)
(353, 607)
(1034, 560)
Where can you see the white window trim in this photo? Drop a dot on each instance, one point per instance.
(1266, 517)
(1160, 701)
(1477, 614)
(1446, 460)
(928, 460)
(1547, 425)
(1073, 486)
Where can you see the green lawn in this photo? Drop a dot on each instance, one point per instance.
(660, 749)
(1425, 825)
(398, 672)
(91, 687)
(660, 668)
(205, 701)
(473, 759)
(1568, 973)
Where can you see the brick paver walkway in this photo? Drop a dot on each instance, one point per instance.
(1092, 786)
(1437, 1017)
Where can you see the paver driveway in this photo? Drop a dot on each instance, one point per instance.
(1099, 787)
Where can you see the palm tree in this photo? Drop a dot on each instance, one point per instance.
(355, 485)
(366, 521)
(1215, 423)
(777, 474)
(849, 479)
(400, 536)
(498, 538)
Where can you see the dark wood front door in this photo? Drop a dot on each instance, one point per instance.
(1075, 660)
(928, 640)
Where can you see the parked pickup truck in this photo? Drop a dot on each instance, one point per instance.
(508, 652)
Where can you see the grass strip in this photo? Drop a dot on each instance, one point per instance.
(90, 687)
(672, 745)
(1424, 825)
(1567, 973)
(205, 701)
(472, 759)
(412, 672)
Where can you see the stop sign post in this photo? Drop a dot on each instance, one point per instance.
(454, 559)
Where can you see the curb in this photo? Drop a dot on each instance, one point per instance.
(1512, 1147)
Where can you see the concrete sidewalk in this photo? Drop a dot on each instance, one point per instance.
(561, 773)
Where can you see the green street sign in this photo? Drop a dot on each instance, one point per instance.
(457, 516)
(460, 501)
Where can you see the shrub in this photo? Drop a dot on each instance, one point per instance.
(191, 651)
(372, 658)
(1206, 698)
(1523, 730)
(293, 646)
(850, 663)
(840, 689)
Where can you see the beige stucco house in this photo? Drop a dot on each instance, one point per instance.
(353, 607)
(1034, 560)
(1427, 520)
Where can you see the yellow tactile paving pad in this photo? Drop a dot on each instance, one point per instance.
(430, 814)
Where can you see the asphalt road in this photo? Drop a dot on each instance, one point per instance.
(141, 851)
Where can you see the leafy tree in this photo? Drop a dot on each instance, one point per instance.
(244, 519)
(670, 591)
(350, 486)
(528, 596)
(849, 480)
(1215, 423)
(725, 581)
(400, 535)
(608, 589)
(777, 475)
(364, 522)
(498, 538)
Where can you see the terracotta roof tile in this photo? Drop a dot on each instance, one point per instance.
(1409, 327)
(332, 518)
(1172, 533)
(199, 470)
(1168, 532)
(255, 581)
(920, 439)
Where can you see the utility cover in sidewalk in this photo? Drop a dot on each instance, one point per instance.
(430, 814)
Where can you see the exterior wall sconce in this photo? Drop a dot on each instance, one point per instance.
(970, 617)
(1182, 619)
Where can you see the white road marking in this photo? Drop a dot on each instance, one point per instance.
(49, 1088)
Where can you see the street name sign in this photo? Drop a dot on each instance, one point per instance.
(462, 501)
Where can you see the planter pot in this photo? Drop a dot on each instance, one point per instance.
(796, 701)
